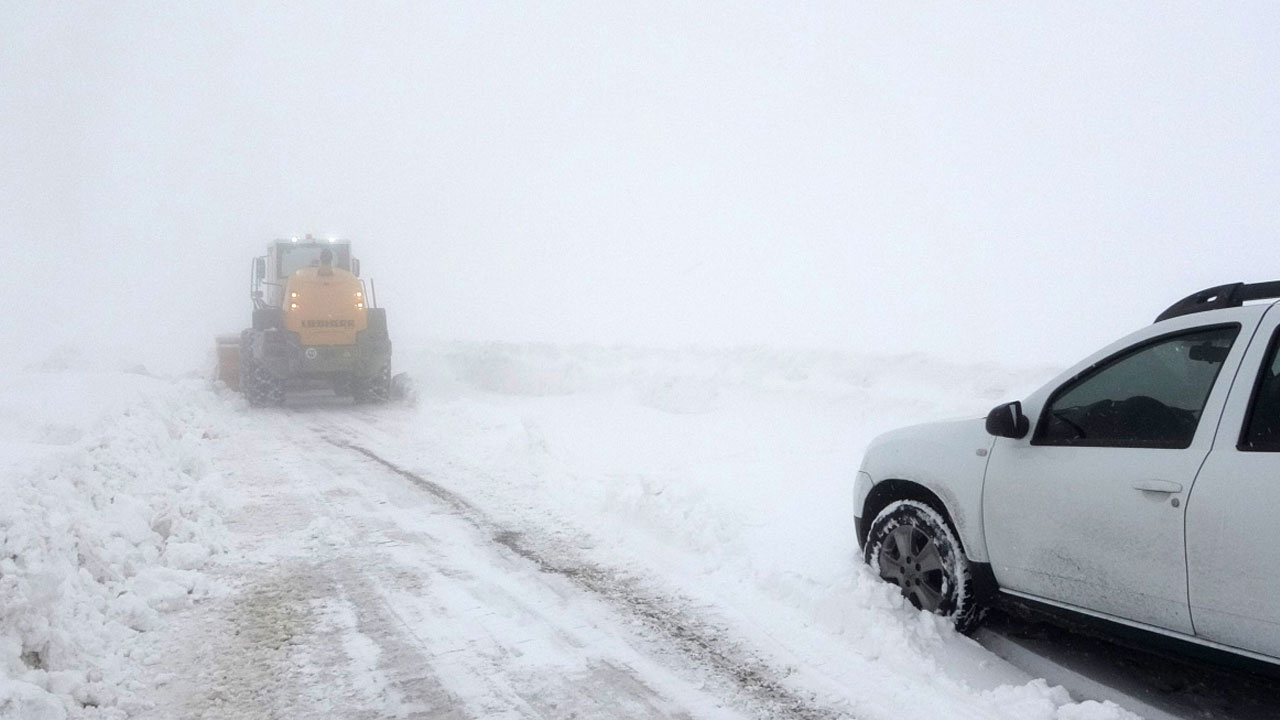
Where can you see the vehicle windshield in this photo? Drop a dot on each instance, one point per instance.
(293, 257)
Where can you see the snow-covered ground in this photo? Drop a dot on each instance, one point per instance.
(110, 508)
(549, 532)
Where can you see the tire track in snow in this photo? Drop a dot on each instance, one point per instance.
(706, 645)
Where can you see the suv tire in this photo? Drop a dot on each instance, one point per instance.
(913, 546)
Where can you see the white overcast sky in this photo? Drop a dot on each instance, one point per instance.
(1017, 181)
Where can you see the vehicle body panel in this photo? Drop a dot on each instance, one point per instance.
(948, 459)
(1232, 529)
(324, 308)
(1091, 526)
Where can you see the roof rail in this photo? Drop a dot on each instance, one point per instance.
(1222, 296)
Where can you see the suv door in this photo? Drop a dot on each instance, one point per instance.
(1087, 511)
(1232, 529)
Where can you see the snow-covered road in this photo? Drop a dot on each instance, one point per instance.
(548, 533)
(363, 589)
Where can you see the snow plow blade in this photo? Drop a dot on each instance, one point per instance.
(402, 388)
(228, 371)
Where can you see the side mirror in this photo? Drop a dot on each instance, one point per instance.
(1008, 421)
(260, 268)
(355, 267)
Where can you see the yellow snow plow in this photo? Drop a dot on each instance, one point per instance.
(313, 326)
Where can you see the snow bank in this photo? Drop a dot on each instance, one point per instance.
(728, 474)
(110, 510)
(737, 455)
(696, 379)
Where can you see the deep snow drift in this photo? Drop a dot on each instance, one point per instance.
(110, 510)
(720, 478)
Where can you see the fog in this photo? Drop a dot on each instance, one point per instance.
(1022, 182)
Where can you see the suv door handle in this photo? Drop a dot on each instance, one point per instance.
(1159, 486)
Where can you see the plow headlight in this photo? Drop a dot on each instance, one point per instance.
(293, 306)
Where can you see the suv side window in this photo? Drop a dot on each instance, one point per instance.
(1262, 424)
(1148, 396)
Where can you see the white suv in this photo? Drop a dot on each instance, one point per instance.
(1141, 486)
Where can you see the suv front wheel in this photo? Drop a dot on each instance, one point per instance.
(913, 546)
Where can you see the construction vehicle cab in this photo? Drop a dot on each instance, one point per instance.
(315, 325)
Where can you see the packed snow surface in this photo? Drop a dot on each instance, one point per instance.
(548, 532)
